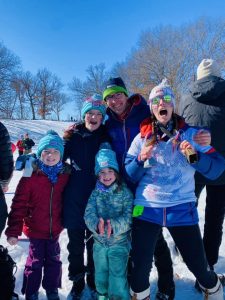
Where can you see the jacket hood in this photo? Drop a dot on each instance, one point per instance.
(209, 90)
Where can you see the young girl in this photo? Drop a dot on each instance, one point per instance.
(108, 215)
(81, 145)
(162, 159)
(36, 210)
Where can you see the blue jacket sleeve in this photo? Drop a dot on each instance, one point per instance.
(210, 165)
(134, 168)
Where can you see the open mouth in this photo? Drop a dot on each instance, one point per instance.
(163, 112)
(93, 123)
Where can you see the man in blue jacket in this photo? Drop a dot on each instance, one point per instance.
(125, 115)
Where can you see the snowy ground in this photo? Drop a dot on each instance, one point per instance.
(183, 278)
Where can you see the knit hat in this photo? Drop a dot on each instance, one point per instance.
(50, 140)
(93, 102)
(105, 158)
(208, 67)
(113, 86)
(162, 90)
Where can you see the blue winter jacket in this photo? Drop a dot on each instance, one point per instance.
(169, 181)
(122, 131)
(80, 148)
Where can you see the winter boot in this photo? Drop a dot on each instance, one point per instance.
(170, 295)
(221, 278)
(32, 297)
(77, 290)
(134, 297)
(52, 295)
(215, 293)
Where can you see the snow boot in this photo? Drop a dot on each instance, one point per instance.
(221, 278)
(169, 295)
(52, 295)
(134, 297)
(215, 293)
(32, 297)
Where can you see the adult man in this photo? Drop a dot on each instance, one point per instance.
(205, 106)
(28, 143)
(6, 170)
(125, 115)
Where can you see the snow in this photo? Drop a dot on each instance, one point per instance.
(183, 278)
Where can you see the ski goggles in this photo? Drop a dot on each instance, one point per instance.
(165, 98)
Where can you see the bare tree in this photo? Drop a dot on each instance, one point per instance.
(9, 66)
(58, 103)
(30, 84)
(49, 85)
(96, 77)
(174, 53)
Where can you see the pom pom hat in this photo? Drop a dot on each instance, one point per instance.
(105, 158)
(160, 91)
(207, 67)
(50, 140)
(113, 86)
(93, 102)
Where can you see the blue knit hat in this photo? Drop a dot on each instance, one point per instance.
(50, 140)
(93, 102)
(105, 158)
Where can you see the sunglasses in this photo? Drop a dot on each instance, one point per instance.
(111, 97)
(166, 98)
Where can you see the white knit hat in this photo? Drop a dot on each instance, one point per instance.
(161, 90)
(207, 67)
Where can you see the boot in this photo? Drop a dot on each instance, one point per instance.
(134, 297)
(32, 297)
(52, 295)
(215, 293)
(77, 290)
(221, 278)
(169, 295)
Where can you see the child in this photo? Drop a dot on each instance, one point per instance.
(20, 145)
(81, 145)
(108, 215)
(36, 210)
(162, 159)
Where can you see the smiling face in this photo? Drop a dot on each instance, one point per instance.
(93, 119)
(117, 102)
(163, 111)
(50, 157)
(107, 176)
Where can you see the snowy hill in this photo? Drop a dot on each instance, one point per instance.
(183, 278)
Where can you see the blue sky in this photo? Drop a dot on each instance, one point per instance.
(66, 36)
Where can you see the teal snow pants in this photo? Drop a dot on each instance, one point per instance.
(111, 270)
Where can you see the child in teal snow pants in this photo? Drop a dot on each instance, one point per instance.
(109, 215)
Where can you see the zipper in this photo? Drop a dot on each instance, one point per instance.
(164, 216)
(125, 141)
(50, 212)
